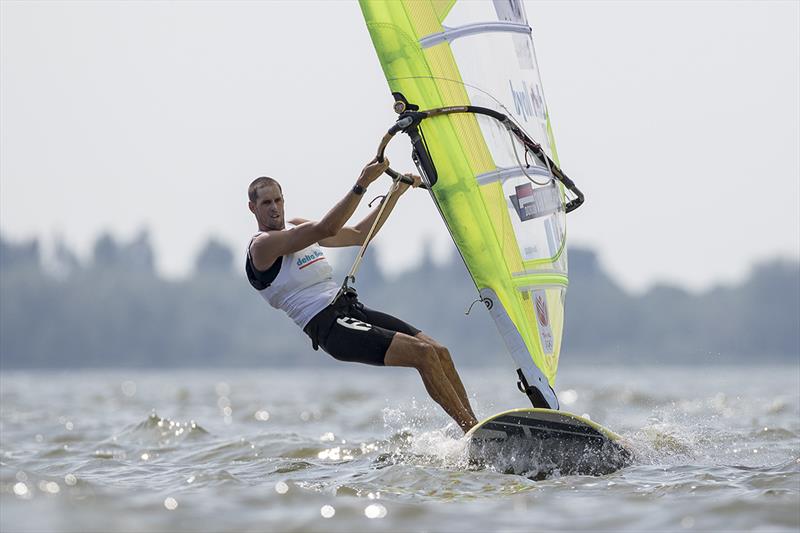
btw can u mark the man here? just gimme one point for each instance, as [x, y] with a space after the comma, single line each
[288, 268]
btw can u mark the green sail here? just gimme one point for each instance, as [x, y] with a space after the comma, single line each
[506, 215]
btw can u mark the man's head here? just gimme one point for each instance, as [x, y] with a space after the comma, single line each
[266, 203]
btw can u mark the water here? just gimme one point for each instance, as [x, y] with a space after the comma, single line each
[359, 448]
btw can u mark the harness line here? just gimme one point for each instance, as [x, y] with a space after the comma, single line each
[351, 276]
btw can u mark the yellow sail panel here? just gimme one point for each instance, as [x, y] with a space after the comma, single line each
[506, 214]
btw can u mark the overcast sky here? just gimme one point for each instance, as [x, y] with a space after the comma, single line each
[679, 120]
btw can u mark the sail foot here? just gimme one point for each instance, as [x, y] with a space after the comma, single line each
[533, 382]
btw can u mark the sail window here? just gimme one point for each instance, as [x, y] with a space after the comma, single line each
[535, 216]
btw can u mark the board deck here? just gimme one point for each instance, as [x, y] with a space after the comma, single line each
[544, 442]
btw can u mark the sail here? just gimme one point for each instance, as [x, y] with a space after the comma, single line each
[502, 207]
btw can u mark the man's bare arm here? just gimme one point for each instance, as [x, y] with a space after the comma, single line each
[363, 227]
[267, 247]
[355, 235]
[347, 236]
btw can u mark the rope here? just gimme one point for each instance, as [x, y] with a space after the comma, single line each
[382, 197]
[351, 276]
[519, 163]
[485, 301]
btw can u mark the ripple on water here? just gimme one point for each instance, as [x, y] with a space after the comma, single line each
[293, 466]
[238, 451]
[155, 430]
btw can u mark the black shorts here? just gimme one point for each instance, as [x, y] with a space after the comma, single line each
[349, 331]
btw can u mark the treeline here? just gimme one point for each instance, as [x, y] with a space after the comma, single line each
[114, 310]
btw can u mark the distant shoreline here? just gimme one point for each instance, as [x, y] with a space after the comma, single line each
[115, 311]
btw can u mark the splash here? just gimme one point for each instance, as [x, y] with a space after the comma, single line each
[418, 438]
[719, 430]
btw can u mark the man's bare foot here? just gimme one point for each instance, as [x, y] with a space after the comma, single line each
[469, 424]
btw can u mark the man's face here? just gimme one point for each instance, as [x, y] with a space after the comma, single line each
[268, 207]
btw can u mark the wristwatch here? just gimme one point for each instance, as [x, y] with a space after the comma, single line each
[358, 189]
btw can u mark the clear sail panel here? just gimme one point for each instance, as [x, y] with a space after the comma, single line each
[536, 211]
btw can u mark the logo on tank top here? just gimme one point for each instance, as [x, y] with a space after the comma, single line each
[310, 259]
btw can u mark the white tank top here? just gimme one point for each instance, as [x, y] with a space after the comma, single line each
[304, 286]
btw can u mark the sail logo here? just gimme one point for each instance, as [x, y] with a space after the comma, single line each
[528, 101]
[541, 311]
[310, 259]
[546, 336]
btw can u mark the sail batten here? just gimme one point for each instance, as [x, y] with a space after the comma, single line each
[509, 172]
[451, 34]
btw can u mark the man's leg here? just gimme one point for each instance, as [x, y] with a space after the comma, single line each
[415, 353]
[450, 370]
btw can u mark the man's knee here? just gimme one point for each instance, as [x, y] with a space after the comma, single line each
[442, 353]
[426, 356]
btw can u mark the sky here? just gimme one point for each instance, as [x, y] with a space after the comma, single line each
[680, 121]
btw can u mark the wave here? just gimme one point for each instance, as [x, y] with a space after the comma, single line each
[157, 431]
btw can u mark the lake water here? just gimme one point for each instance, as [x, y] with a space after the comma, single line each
[359, 448]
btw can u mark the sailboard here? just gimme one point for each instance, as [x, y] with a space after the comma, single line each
[543, 442]
[466, 86]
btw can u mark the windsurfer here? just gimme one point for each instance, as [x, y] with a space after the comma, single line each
[287, 266]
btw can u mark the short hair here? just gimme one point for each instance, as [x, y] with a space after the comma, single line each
[263, 181]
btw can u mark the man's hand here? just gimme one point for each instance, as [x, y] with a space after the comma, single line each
[417, 182]
[372, 171]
